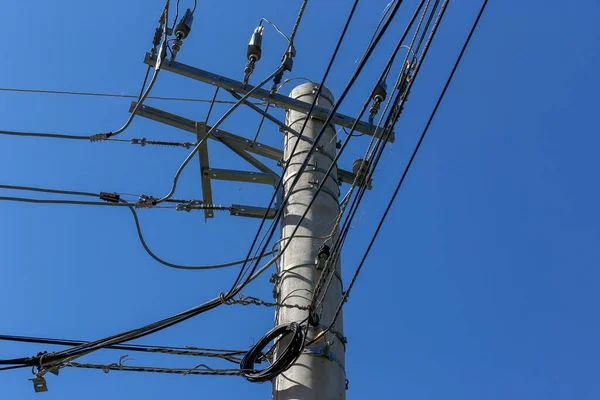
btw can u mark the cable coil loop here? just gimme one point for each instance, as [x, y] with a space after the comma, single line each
[284, 360]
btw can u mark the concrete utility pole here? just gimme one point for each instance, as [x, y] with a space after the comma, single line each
[319, 373]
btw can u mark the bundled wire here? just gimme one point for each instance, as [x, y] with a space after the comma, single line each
[326, 123]
[284, 359]
[375, 149]
[113, 202]
[407, 168]
[229, 355]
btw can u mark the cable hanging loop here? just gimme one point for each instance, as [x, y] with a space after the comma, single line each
[284, 360]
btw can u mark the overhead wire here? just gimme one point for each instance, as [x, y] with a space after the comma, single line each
[57, 358]
[229, 355]
[279, 70]
[373, 153]
[287, 163]
[358, 69]
[121, 203]
[275, 27]
[411, 159]
[117, 95]
[141, 331]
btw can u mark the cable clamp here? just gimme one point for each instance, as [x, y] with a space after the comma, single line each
[141, 141]
[99, 137]
[110, 197]
[145, 201]
[192, 205]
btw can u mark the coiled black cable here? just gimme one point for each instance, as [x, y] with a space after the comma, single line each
[284, 360]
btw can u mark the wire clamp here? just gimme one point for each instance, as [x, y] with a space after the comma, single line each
[192, 205]
[145, 201]
[98, 137]
[110, 197]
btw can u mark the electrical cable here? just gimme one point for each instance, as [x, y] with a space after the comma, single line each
[365, 57]
[142, 98]
[275, 27]
[228, 355]
[176, 16]
[122, 203]
[285, 358]
[286, 166]
[116, 95]
[370, 161]
[200, 369]
[212, 103]
[140, 331]
[413, 155]
[86, 348]
[80, 350]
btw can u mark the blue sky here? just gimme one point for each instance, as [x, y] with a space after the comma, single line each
[483, 283]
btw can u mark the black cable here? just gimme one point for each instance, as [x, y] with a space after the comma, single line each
[176, 15]
[373, 159]
[46, 135]
[146, 75]
[115, 95]
[357, 71]
[201, 352]
[139, 332]
[285, 358]
[122, 203]
[407, 168]
[13, 367]
[274, 197]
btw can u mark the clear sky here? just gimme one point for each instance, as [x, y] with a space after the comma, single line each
[483, 283]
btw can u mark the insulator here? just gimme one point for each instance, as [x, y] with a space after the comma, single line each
[183, 28]
[255, 46]
[380, 92]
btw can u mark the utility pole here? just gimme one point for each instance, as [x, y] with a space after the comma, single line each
[319, 372]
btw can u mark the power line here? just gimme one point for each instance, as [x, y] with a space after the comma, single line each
[120, 203]
[353, 78]
[410, 161]
[287, 164]
[402, 86]
[201, 369]
[180, 351]
[116, 95]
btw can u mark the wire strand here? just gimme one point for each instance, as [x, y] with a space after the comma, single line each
[409, 164]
